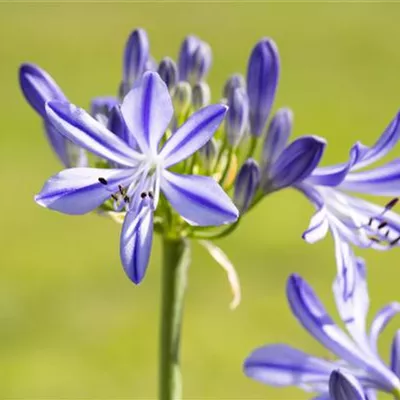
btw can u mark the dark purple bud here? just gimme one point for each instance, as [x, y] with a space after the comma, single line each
[168, 72]
[117, 125]
[279, 130]
[343, 386]
[201, 95]
[38, 87]
[195, 59]
[235, 81]
[246, 185]
[102, 106]
[136, 56]
[236, 119]
[208, 154]
[262, 81]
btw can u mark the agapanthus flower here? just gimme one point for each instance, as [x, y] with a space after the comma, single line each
[350, 218]
[344, 386]
[356, 350]
[143, 168]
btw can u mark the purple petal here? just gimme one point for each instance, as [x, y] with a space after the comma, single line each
[278, 134]
[333, 175]
[135, 56]
[38, 87]
[262, 81]
[83, 130]
[198, 199]
[368, 155]
[381, 319]
[344, 386]
[297, 161]
[282, 365]
[136, 241]
[147, 110]
[395, 354]
[78, 190]
[381, 181]
[193, 134]
[311, 314]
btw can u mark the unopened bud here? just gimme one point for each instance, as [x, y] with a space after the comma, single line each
[201, 95]
[168, 72]
[235, 81]
[237, 116]
[246, 184]
[182, 97]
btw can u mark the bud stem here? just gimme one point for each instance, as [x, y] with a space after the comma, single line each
[176, 259]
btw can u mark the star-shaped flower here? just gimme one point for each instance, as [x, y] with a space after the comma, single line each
[142, 170]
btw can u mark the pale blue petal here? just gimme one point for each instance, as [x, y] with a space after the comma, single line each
[136, 241]
[193, 134]
[344, 386]
[297, 161]
[319, 224]
[38, 87]
[82, 129]
[78, 190]
[395, 354]
[198, 199]
[282, 365]
[381, 319]
[368, 155]
[381, 181]
[147, 110]
[117, 125]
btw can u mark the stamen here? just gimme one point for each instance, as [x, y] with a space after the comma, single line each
[121, 190]
[127, 199]
[370, 221]
[150, 194]
[387, 233]
[395, 241]
[382, 224]
[103, 181]
[374, 239]
[143, 195]
[114, 197]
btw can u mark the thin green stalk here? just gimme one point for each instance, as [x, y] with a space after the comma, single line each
[176, 259]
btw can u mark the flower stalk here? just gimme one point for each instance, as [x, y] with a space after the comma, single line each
[176, 259]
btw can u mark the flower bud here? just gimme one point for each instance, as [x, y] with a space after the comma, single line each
[38, 87]
[102, 105]
[246, 184]
[343, 386]
[262, 81]
[201, 95]
[208, 154]
[195, 58]
[277, 136]
[136, 56]
[182, 97]
[233, 82]
[237, 116]
[168, 72]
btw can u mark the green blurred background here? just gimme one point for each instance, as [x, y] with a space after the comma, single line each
[71, 324]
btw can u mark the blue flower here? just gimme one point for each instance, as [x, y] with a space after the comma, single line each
[349, 218]
[143, 170]
[283, 365]
[39, 87]
[343, 386]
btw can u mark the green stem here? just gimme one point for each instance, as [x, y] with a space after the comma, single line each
[176, 259]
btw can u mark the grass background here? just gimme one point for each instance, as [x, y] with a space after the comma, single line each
[71, 324]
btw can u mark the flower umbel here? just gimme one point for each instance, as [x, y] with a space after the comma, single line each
[283, 365]
[143, 170]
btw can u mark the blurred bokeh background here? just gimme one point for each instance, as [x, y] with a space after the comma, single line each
[71, 324]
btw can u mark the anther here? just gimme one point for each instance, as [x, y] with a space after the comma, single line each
[382, 224]
[374, 239]
[121, 189]
[103, 181]
[114, 197]
[395, 241]
[126, 199]
[391, 204]
[387, 233]
[370, 221]
[143, 195]
[151, 195]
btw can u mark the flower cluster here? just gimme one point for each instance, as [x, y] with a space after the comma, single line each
[162, 159]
